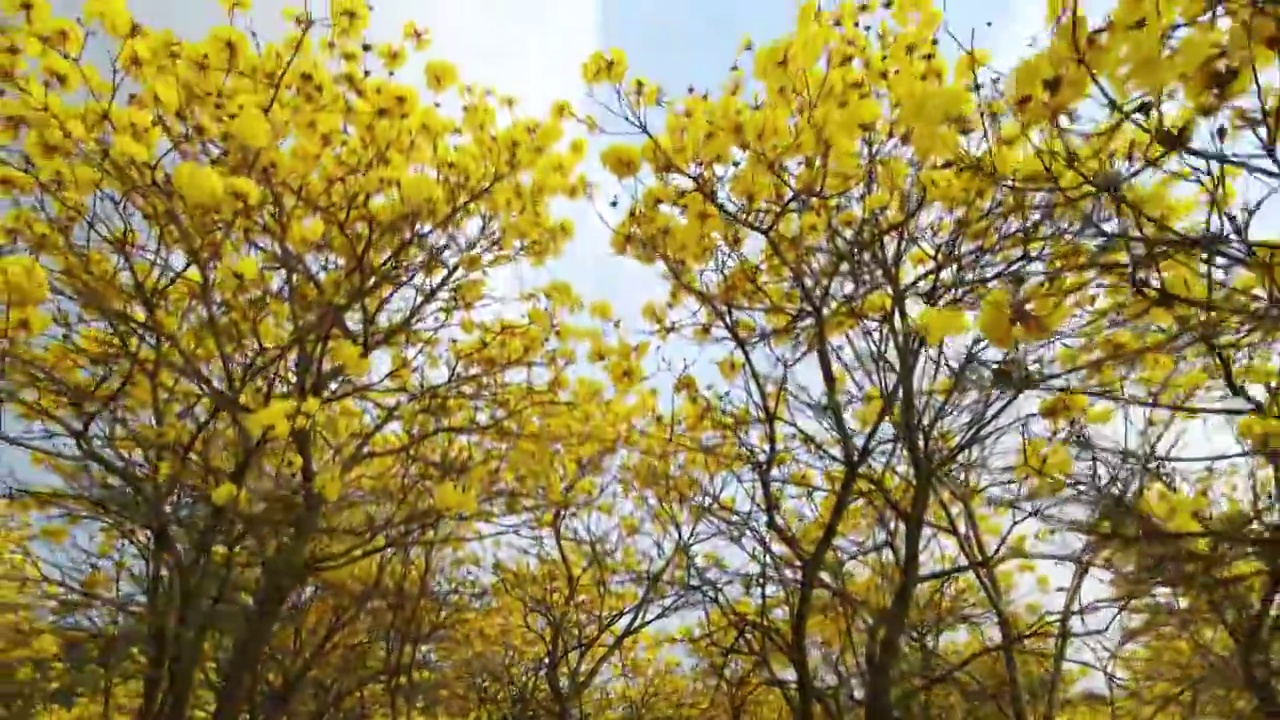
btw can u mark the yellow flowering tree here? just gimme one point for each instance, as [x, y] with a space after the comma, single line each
[596, 560]
[1155, 126]
[877, 312]
[251, 344]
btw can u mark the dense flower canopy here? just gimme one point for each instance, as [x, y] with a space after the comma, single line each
[960, 398]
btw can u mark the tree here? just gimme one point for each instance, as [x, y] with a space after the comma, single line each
[816, 229]
[1157, 125]
[248, 332]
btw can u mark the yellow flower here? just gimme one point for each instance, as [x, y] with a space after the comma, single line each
[348, 356]
[329, 485]
[95, 581]
[45, 645]
[1260, 431]
[113, 14]
[274, 420]
[244, 189]
[623, 161]
[1099, 414]
[310, 406]
[995, 319]
[440, 75]
[245, 269]
[1040, 458]
[55, 533]
[1064, 406]
[871, 410]
[392, 56]
[224, 494]
[1058, 460]
[605, 67]
[450, 498]
[23, 282]
[251, 129]
[600, 310]
[877, 303]
[938, 324]
[198, 184]
[729, 366]
[417, 37]
[420, 192]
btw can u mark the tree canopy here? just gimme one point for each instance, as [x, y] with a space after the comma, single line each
[959, 397]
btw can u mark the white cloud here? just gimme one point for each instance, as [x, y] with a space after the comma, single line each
[1023, 28]
[1024, 22]
[532, 51]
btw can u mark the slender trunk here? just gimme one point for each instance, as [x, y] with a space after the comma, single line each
[1062, 641]
[886, 644]
[159, 604]
[1254, 656]
[280, 580]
